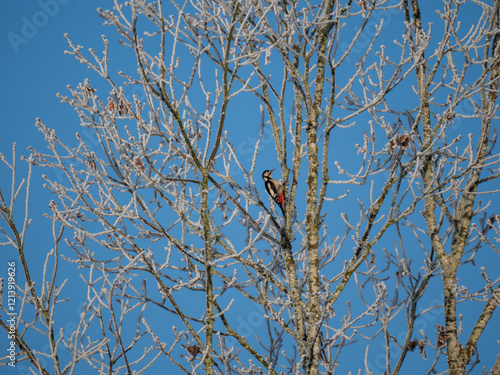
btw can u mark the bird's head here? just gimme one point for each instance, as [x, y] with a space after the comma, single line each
[267, 173]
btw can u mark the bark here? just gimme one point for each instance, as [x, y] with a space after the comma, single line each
[457, 356]
[312, 212]
[209, 314]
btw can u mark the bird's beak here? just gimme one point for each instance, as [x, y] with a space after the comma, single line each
[271, 171]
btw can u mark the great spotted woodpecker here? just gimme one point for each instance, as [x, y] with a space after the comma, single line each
[274, 189]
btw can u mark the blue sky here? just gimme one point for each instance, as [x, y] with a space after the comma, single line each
[33, 69]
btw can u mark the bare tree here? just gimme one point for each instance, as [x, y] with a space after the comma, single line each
[166, 217]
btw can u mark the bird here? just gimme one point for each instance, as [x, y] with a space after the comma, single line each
[274, 189]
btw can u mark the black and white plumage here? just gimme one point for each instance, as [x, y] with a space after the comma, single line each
[274, 189]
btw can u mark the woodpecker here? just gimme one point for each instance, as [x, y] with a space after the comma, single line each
[274, 189]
